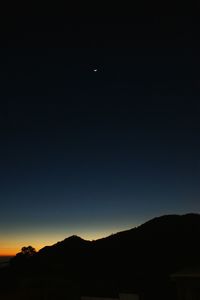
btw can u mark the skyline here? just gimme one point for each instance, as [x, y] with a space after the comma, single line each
[92, 153]
[51, 239]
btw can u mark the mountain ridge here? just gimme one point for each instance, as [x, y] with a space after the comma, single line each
[152, 221]
[138, 259]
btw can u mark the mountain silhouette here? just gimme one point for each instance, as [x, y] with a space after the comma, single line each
[141, 258]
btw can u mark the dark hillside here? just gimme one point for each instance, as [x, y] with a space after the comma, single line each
[138, 259]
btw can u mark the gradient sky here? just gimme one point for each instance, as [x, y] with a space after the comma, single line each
[92, 153]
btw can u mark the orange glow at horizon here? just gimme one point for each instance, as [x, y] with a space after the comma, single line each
[10, 247]
[11, 244]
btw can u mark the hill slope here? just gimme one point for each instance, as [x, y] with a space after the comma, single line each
[139, 258]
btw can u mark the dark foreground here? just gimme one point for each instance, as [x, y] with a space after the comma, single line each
[157, 260]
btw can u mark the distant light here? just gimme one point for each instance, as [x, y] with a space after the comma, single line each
[95, 70]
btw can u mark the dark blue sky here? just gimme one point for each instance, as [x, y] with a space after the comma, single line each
[92, 153]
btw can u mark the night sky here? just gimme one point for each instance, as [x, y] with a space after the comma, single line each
[92, 153]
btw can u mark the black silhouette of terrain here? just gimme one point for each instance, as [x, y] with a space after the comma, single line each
[137, 260]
